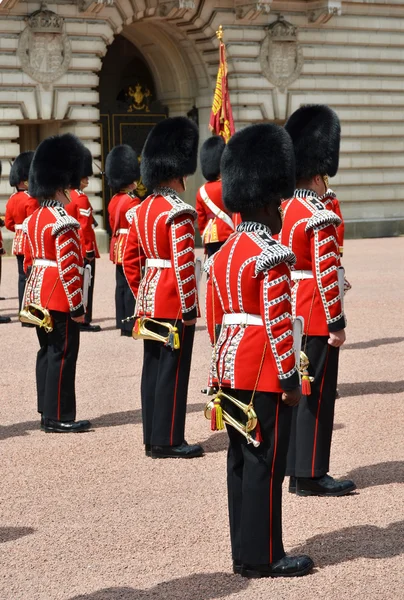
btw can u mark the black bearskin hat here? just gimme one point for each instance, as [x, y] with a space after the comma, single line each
[315, 131]
[258, 167]
[57, 164]
[20, 168]
[211, 153]
[88, 164]
[170, 151]
[121, 167]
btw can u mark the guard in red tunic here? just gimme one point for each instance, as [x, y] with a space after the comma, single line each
[56, 279]
[19, 206]
[80, 208]
[309, 229]
[214, 222]
[122, 171]
[331, 202]
[162, 239]
[2, 251]
[248, 301]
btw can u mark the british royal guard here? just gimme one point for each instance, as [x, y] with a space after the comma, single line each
[80, 208]
[55, 282]
[309, 229]
[2, 252]
[19, 206]
[214, 221]
[162, 240]
[122, 172]
[248, 300]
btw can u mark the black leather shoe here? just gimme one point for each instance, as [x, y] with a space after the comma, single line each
[147, 449]
[2, 298]
[89, 327]
[42, 422]
[5, 320]
[288, 566]
[184, 450]
[51, 426]
[324, 486]
[237, 566]
[292, 485]
[125, 333]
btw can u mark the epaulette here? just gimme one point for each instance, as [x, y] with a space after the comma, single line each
[179, 207]
[25, 224]
[323, 217]
[63, 221]
[329, 194]
[130, 214]
[274, 254]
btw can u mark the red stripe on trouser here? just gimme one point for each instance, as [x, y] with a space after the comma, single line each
[176, 387]
[272, 478]
[318, 414]
[61, 366]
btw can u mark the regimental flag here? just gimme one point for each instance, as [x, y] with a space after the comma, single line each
[221, 117]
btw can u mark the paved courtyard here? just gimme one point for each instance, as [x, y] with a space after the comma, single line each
[89, 517]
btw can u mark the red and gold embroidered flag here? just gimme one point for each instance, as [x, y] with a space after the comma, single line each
[221, 116]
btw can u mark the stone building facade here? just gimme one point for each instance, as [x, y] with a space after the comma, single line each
[108, 69]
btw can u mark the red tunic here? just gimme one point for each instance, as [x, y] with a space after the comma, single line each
[19, 206]
[117, 209]
[251, 274]
[330, 201]
[214, 221]
[309, 230]
[80, 209]
[53, 236]
[162, 227]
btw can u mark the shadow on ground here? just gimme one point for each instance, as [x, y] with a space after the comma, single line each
[379, 474]
[117, 419]
[350, 543]
[373, 343]
[9, 534]
[201, 586]
[364, 388]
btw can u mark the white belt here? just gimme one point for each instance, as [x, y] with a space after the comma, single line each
[17, 227]
[161, 263]
[122, 231]
[242, 319]
[296, 275]
[44, 262]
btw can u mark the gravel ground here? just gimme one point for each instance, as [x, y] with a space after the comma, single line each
[89, 517]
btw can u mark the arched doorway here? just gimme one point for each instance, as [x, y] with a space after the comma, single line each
[128, 104]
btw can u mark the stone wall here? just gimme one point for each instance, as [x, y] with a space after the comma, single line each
[352, 60]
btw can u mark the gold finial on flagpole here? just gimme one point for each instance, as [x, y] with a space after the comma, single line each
[219, 33]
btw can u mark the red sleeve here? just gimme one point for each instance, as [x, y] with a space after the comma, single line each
[325, 263]
[31, 206]
[85, 218]
[340, 228]
[9, 217]
[70, 266]
[214, 309]
[276, 312]
[182, 238]
[133, 258]
[27, 253]
[202, 217]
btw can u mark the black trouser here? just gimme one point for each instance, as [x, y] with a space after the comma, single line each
[313, 418]
[124, 300]
[213, 247]
[254, 480]
[21, 279]
[56, 368]
[164, 387]
[88, 317]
